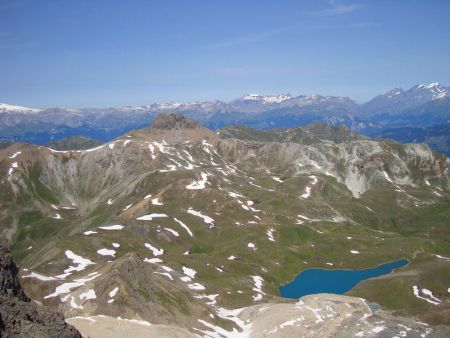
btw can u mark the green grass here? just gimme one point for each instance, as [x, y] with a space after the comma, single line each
[40, 188]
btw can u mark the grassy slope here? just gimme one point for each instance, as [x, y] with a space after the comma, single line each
[389, 232]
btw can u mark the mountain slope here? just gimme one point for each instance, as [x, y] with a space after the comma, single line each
[74, 143]
[174, 223]
[19, 316]
[309, 134]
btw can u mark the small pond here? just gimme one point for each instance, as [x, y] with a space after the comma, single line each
[334, 281]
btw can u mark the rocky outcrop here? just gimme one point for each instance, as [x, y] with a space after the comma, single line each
[21, 317]
[174, 128]
[173, 121]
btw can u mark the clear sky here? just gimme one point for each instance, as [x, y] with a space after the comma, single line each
[110, 53]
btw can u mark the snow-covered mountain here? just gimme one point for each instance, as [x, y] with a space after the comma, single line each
[395, 100]
[8, 108]
[423, 104]
[267, 99]
[398, 100]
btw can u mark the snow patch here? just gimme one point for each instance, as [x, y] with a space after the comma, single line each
[88, 295]
[156, 251]
[309, 187]
[251, 246]
[184, 226]
[79, 262]
[206, 219]
[153, 260]
[211, 298]
[189, 272]
[196, 286]
[198, 185]
[258, 282]
[40, 277]
[151, 216]
[113, 292]
[270, 235]
[156, 201]
[168, 275]
[13, 166]
[106, 252]
[67, 287]
[173, 232]
[15, 155]
[430, 298]
[112, 227]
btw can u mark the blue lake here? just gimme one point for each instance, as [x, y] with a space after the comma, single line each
[333, 281]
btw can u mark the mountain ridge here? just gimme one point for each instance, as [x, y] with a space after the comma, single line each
[435, 89]
[425, 104]
[193, 226]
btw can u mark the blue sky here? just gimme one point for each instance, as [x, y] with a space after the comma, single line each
[111, 53]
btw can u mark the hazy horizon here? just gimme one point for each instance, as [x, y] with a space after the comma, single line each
[213, 99]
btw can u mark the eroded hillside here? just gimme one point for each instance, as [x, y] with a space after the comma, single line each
[172, 223]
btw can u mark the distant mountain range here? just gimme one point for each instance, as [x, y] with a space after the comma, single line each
[424, 105]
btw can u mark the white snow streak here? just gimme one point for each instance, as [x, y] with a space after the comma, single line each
[185, 227]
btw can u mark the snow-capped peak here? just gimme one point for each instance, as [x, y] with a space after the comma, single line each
[4, 107]
[267, 98]
[436, 89]
[429, 86]
[433, 85]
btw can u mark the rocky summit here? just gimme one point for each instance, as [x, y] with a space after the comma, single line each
[173, 121]
[176, 230]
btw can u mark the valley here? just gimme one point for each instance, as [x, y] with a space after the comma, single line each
[186, 228]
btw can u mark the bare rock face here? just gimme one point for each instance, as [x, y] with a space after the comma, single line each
[173, 121]
[321, 315]
[173, 129]
[329, 315]
[19, 316]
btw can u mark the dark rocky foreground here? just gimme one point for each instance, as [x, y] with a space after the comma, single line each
[21, 317]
